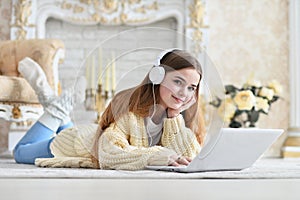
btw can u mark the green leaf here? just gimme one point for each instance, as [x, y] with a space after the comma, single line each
[275, 98]
[216, 102]
[238, 112]
[230, 89]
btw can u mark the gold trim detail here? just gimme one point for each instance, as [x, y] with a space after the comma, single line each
[22, 13]
[296, 129]
[197, 13]
[109, 12]
[16, 112]
[292, 141]
[290, 154]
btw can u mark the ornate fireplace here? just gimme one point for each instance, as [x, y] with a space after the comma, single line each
[134, 31]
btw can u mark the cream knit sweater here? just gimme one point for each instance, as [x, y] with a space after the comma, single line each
[123, 145]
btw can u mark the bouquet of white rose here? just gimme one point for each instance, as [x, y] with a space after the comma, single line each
[242, 106]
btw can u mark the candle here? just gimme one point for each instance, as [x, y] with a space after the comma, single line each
[113, 73]
[93, 72]
[107, 78]
[100, 67]
[87, 73]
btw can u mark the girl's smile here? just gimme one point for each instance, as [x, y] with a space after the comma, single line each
[179, 100]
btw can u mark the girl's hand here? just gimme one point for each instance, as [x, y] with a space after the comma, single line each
[179, 160]
[174, 113]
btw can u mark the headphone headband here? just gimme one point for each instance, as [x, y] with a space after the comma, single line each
[157, 73]
[162, 54]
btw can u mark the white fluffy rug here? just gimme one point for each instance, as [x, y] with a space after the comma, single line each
[262, 169]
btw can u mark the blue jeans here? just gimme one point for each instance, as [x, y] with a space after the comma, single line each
[36, 143]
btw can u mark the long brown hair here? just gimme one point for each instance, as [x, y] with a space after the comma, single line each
[139, 99]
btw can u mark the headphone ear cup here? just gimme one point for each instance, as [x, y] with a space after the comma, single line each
[157, 75]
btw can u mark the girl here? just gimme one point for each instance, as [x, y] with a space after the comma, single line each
[157, 122]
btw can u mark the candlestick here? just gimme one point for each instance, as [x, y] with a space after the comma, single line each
[99, 102]
[90, 101]
[106, 95]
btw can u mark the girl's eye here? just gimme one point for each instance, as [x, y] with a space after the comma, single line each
[191, 89]
[178, 82]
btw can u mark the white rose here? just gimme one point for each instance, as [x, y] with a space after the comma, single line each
[266, 92]
[254, 83]
[227, 108]
[244, 100]
[262, 104]
[276, 86]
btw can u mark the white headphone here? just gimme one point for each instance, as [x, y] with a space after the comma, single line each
[157, 73]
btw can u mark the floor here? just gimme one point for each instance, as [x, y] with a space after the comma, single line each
[145, 189]
[267, 179]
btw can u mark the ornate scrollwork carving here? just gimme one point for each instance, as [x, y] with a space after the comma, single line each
[16, 112]
[197, 13]
[22, 14]
[110, 5]
[110, 11]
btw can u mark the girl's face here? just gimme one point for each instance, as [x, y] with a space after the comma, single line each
[178, 87]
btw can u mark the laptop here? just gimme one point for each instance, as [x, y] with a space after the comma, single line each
[229, 149]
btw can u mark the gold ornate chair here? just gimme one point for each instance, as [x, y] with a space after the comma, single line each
[18, 102]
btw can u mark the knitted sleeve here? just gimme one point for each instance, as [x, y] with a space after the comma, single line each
[178, 137]
[116, 152]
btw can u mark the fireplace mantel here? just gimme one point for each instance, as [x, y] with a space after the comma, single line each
[29, 16]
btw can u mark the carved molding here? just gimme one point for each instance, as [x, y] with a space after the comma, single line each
[30, 16]
[22, 12]
[110, 12]
[197, 23]
[17, 112]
